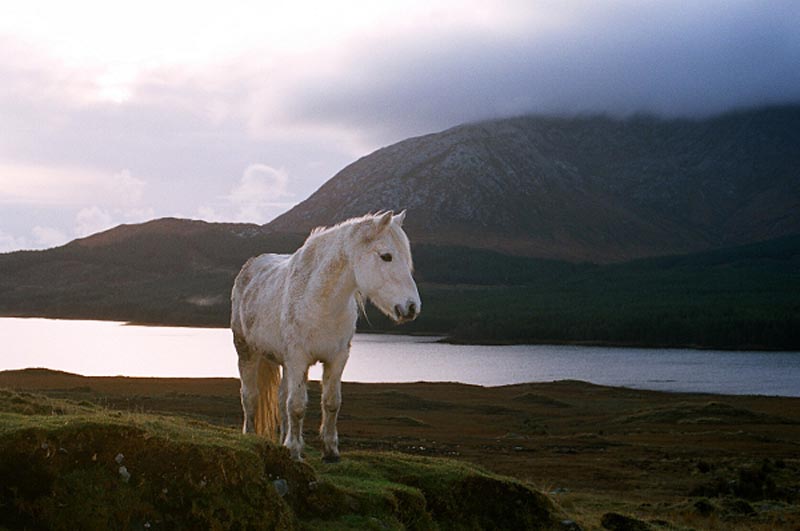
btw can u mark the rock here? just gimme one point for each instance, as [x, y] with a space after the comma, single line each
[281, 486]
[739, 506]
[570, 525]
[704, 507]
[619, 522]
[378, 524]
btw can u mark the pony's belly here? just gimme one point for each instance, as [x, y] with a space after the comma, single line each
[324, 338]
[328, 355]
[314, 347]
[266, 342]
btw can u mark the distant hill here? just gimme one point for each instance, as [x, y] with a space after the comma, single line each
[741, 297]
[581, 189]
[745, 297]
[164, 271]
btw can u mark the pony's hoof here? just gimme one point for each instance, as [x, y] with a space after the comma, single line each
[333, 458]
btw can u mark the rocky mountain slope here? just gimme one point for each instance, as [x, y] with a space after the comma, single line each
[594, 189]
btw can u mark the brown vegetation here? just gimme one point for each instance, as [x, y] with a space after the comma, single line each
[682, 460]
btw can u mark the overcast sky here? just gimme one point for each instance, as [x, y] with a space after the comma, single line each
[117, 112]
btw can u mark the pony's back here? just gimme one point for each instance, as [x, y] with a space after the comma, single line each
[259, 275]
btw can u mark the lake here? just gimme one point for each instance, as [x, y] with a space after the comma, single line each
[100, 348]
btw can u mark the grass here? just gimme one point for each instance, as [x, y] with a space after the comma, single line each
[63, 469]
[68, 465]
[693, 461]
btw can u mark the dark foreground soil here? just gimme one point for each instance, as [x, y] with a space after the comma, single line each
[673, 460]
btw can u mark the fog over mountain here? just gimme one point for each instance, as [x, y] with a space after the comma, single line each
[594, 188]
[234, 112]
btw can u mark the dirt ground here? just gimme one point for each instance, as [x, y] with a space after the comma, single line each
[676, 460]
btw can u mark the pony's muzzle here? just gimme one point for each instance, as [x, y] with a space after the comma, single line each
[407, 313]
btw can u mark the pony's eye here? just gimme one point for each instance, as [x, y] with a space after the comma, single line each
[386, 257]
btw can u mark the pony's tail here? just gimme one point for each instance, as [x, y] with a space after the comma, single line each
[267, 415]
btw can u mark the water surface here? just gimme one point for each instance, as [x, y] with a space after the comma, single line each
[100, 348]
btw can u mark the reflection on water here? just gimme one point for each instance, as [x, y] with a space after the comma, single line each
[96, 348]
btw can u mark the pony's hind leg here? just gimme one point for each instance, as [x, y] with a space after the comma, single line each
[283, 417]
[331, 402]
[296, 399]
[248, 375]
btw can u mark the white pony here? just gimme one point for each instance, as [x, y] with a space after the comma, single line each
[292, 311]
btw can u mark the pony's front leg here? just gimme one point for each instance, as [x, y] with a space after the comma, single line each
[331, 402]
[296, 399]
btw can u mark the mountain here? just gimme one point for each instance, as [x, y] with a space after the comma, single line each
[581, 189]
[533, 229]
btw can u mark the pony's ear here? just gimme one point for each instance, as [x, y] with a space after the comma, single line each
[399, 218]
[374, 227]
[382, 223]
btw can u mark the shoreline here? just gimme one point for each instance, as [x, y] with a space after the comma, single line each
[34, 373]
[445, 338]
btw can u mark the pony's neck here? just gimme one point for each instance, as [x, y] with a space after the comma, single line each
[333, 282]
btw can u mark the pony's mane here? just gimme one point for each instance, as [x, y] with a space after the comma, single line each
[346, 223]
[397, 233]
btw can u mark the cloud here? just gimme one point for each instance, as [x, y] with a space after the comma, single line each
[91, 220]
[43, 237]
[385, 72]
[665, 58]
[125, 188]
[49, 237]
[261, 189]
[260, 184]
[41, 184]
[382, 77]
[9, 242]
[137, 215]
[65, 185]
[98, 124]
[94, 219]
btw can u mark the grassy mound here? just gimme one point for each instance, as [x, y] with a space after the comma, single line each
[69, 465]
[709, 413]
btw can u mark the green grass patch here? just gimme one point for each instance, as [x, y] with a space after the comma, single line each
[69, 465]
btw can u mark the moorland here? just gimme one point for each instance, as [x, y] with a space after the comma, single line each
[566, 453]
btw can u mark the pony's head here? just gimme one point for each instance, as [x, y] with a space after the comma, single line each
[382, 265]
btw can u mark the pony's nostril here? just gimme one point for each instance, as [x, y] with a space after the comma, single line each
[403, 312]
